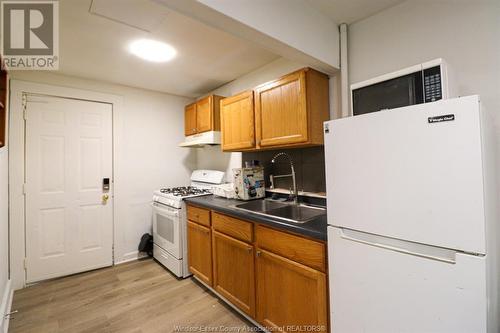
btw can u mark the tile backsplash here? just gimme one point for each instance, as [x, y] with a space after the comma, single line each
[309, 166]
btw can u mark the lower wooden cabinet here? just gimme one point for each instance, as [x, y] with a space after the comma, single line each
[290, 295]
[234, 273]
[274, 277]
[200, 252]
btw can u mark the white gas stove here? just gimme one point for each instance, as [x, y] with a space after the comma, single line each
[173, 196]
[170, 222]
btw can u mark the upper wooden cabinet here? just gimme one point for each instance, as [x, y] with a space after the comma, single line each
[237, 122]
[202, 116]
[281, 111]
[291, 110]
[287, 112]
[205, 114]
[190, 119]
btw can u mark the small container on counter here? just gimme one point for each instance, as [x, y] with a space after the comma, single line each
[249, 183]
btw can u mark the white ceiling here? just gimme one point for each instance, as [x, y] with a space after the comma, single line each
[350, 11]
[95, 47]
[94, 36]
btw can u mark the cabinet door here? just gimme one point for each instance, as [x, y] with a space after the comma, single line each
[289, 294]
[204, 115]
[190, 119]
[237, 122]
[200, 252]
[234, 272]
[281, 112]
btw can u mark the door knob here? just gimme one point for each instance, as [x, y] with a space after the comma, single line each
[105, 199]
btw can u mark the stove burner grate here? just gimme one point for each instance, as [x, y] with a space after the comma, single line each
[184, 191]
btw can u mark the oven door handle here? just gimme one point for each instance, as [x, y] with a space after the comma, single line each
[165, 210]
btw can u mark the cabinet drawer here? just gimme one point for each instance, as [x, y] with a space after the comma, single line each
[231, 226]
[198, 215]
[296, 248]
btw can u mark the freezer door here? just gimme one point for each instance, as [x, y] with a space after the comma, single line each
[404, 173]
[385, 288]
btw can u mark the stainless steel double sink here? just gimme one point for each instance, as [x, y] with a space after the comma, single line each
[290, 212]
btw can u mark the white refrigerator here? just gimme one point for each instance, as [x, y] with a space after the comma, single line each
[413, 233]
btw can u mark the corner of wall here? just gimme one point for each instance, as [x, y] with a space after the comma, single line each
[6, 306]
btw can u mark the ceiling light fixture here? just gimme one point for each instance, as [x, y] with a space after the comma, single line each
[152, 50]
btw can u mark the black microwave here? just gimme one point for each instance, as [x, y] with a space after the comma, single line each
[418, 84]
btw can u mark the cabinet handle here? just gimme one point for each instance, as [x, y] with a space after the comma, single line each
[249, 250]
[258, 253]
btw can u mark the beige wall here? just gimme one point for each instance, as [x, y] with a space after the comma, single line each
[146, 156]
[308, 30]
[465, 33]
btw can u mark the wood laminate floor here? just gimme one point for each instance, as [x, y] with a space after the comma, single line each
[137, 297]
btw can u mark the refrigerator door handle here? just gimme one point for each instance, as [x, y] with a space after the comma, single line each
[405, 247]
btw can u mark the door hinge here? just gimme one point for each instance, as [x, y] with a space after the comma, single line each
[25, 263]
[24, 189]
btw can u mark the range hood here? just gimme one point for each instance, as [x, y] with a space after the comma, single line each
[202, 139]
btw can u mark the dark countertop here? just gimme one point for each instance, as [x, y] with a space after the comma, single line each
[314, 229]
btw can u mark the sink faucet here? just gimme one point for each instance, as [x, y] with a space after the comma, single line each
[292, 174]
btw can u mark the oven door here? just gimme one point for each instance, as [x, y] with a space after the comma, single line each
[166, 229]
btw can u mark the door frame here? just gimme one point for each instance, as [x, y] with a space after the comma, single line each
[17, 144]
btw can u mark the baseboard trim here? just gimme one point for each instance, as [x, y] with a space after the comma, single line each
[131, 256]
[6, 306]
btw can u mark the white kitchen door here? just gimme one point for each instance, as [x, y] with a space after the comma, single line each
[69, 222]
